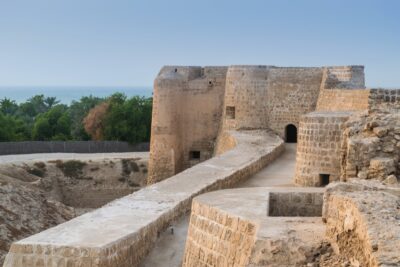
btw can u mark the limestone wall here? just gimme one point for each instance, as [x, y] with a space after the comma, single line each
[362, 223]
[344, 77]
[267, 96]
[122, 232]
[385, 99]
[217, 238]
[343, 100]
[232, 228]
[319, 147]
[371, 146]
[187, 110]
[193, 106]
[292, 92]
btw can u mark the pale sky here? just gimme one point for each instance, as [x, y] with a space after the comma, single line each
[126, 42]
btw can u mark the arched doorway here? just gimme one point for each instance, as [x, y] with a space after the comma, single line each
[291, 133]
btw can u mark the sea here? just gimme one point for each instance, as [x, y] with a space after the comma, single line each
[66, 94]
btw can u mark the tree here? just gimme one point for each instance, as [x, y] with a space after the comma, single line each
[53, 125]
[12, 129]
[34, 106]
[8, 106]
[94, 121]
[78, 111]
[50, 102]
[128, 119]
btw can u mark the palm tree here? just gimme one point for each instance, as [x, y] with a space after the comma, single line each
[50, 102]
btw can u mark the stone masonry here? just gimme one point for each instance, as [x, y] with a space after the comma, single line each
[232, 228]
[319, 148]
[194, 106]
[122, 232]
[214, 127]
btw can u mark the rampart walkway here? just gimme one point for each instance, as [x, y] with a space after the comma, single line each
[171, 245]
[124, 231]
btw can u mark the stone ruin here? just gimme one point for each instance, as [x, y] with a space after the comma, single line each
[214, 127]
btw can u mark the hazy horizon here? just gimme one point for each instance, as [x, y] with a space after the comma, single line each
[66, 94]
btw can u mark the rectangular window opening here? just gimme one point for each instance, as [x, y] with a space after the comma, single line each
[323, 179]
[230, 112]
[194, 155]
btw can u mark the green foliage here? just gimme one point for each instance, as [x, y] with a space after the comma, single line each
[12, 129]
[8, 106]
[78, 111]
[128, 119]
[44, 118]
[54, 124]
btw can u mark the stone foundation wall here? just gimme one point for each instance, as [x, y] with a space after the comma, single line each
[343, 100]
[233, 228]
[319, 147]
[356, 216]
[217, 238]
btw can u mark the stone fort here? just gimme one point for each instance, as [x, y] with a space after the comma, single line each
[194, 109]
[215, 128]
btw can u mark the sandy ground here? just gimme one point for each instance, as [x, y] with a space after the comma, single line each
[72, 156]
[171, 244]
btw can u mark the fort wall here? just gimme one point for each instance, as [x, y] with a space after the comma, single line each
[344, 77]
[269, 97]
[343, 100]
[292, 92]
[387, 99]
[187, 111]
[193, 106]
[318, 158]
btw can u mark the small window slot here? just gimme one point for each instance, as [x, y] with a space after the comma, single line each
[230, 112]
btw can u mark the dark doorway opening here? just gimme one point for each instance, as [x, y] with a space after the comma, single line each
[194, 155]
[323, 179]
[291, 134]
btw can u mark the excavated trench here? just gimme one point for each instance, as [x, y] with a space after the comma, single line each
[38, 194]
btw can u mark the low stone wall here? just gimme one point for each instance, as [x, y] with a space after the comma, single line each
[232, 228]
[363, 223]
[319, 147]
[217, 238]
[343, 100]
[33, 147]
[122, 232]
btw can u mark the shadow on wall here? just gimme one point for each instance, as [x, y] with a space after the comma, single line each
[290, 133]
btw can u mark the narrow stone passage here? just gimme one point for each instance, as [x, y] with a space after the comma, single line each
[171, 245]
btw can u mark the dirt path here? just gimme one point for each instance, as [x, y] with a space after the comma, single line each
[66, 156]
[171, 245]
